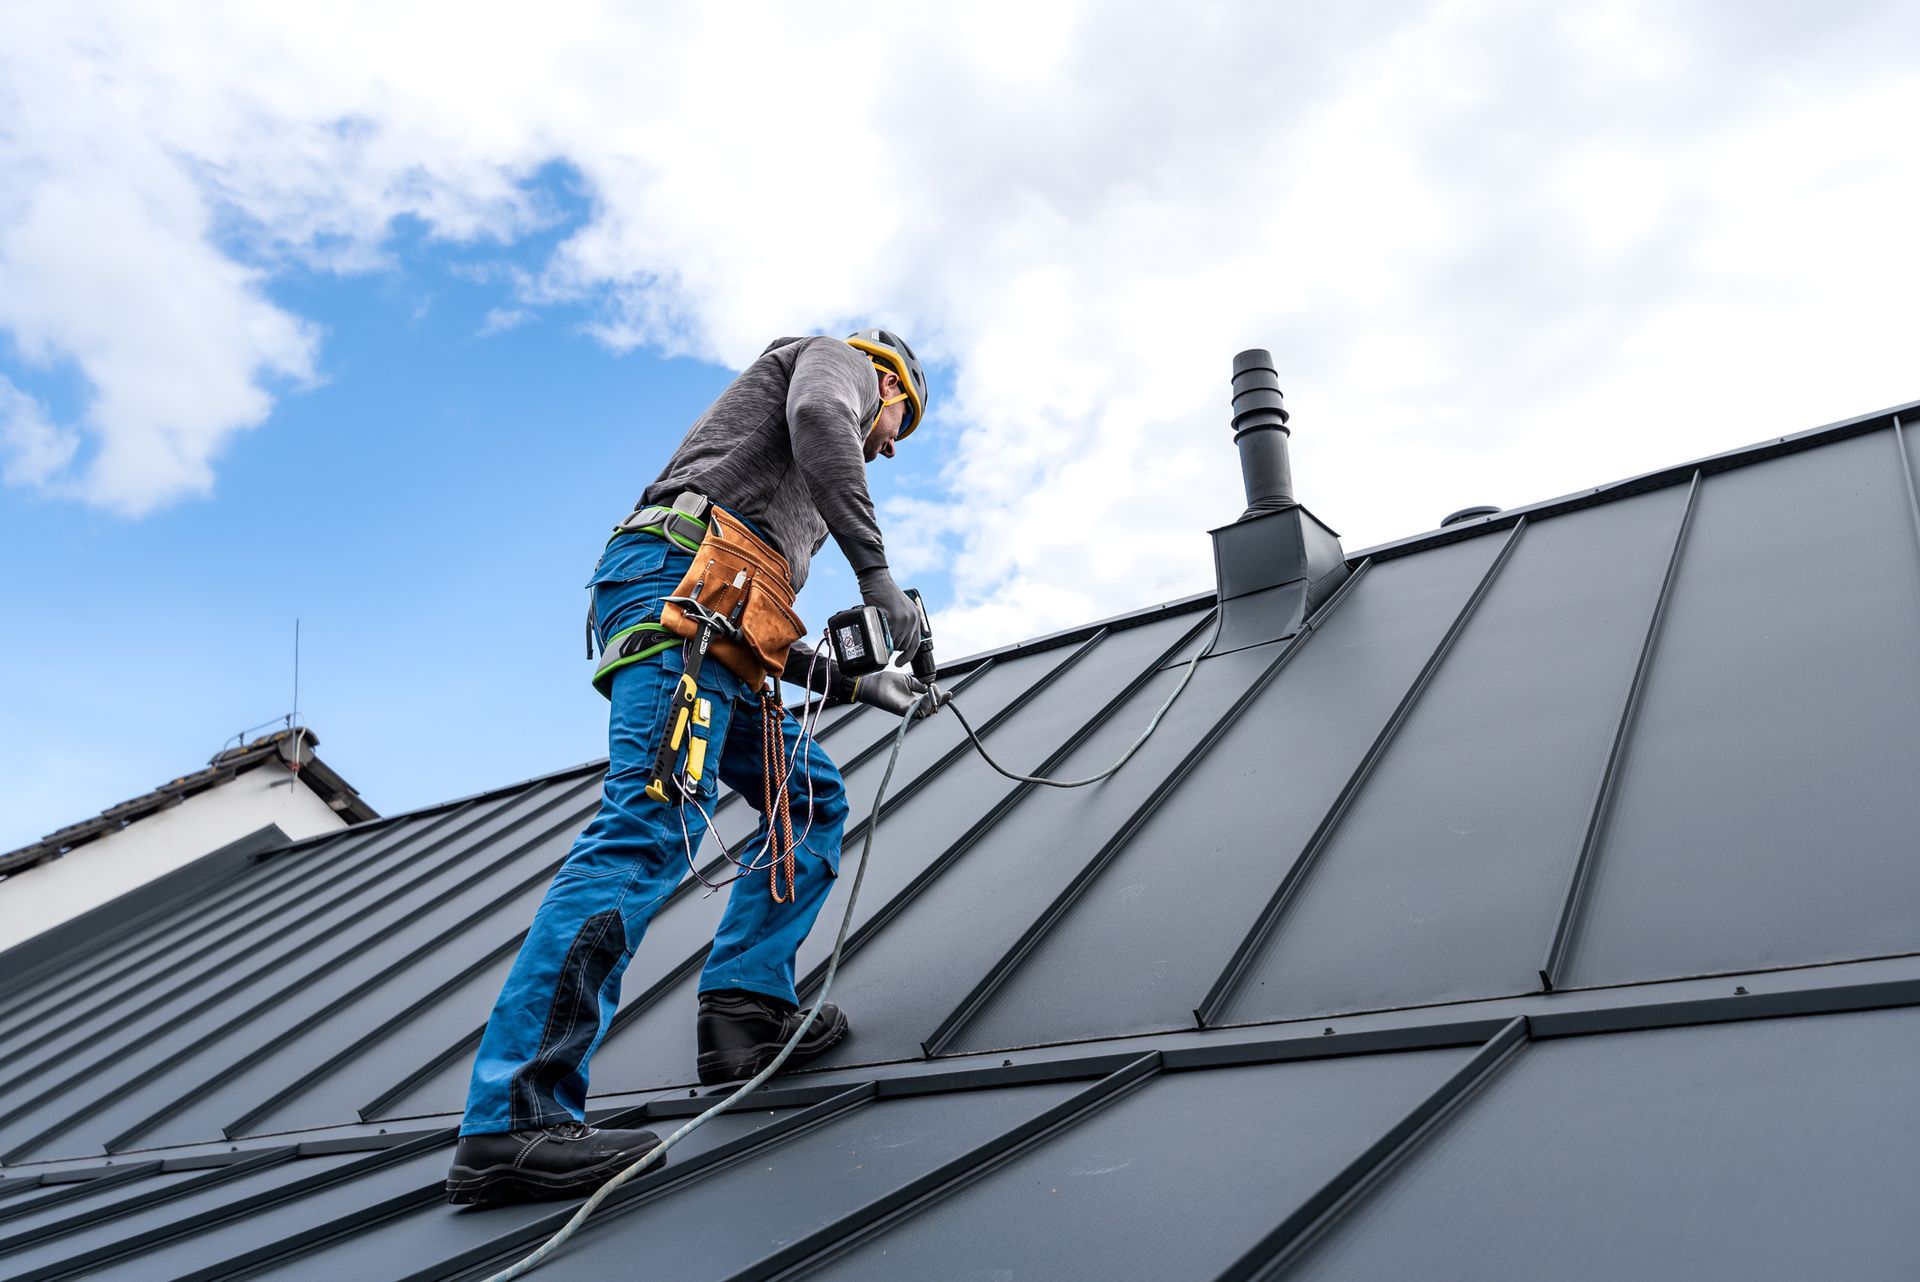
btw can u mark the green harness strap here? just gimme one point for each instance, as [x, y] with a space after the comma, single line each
[663, 521]
[629, 645]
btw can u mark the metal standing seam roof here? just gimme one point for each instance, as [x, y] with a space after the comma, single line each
[1547, 906]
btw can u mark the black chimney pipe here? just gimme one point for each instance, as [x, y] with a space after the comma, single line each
[1279, 562]
[1260, 430]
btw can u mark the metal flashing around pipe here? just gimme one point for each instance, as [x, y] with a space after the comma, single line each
[1278, 562]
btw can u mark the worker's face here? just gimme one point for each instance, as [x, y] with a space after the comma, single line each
[886, 429]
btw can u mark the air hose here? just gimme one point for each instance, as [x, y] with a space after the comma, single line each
[567, 1230]
[1125, 757]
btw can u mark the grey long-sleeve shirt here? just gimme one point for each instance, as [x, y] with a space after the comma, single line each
[783, 447]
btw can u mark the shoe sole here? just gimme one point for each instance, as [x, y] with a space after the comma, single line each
[467, 1186]
[731, 1066]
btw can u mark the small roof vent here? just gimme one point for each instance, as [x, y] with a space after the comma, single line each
[1468, 514]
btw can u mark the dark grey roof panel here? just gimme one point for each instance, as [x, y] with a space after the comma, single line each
[109, 1015]
[1908, 432]
[725, 1217]
[1002, 874]
[124, 997]
[25, 1189]
[82, 1204]
[1454, 859]
[89, 1204]
[1173, 1180]
[208, 937]
[432, 1231]
[1139, 950]
[348, 993]
[869, 1153]
[161, 1211]
[356, 1079]
[437, 1083]
[279, 970]
[1083, 827]
[1766, 1149]
[349, 1185]
[1766, 811]
[324, 1051]
[123, 968]
[133, 913]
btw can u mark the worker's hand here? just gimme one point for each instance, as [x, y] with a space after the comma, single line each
[893, 691]
[877, 588]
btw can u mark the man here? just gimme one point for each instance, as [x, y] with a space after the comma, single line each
[783, 449]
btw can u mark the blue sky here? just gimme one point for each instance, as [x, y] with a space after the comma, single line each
[428, 511]
[258, 264]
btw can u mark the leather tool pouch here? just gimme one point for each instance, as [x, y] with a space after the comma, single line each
[767, 623]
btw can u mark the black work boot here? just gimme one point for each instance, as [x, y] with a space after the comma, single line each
[741, 1032]
[568, 1160]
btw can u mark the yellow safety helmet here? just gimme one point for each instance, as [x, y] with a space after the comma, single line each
[889, 351]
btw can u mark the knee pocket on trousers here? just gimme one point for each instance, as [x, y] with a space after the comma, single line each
[816, 849]
[830, 800]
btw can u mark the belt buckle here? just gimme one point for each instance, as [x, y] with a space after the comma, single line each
[689, 528]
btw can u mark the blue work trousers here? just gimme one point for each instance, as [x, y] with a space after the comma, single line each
[563, 990]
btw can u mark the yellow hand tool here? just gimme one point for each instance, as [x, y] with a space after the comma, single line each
[687, 710]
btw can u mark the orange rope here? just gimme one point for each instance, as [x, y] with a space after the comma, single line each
[773, 758]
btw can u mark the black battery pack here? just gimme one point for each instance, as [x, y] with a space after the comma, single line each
[860, 640]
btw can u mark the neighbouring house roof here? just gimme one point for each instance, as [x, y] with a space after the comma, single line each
[283, 746]
[1546, 907]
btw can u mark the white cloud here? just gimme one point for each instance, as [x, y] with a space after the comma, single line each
[499, 320]
[1501, 251]
[35, 449]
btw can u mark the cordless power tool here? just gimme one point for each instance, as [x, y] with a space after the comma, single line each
[863, 643]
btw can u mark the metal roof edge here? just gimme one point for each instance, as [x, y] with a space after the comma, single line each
[1659, 478]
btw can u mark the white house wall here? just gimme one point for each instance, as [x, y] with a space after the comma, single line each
[43, 896]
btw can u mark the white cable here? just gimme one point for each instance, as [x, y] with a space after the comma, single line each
[793, 764]
[567, 1230]
[810, 715]
[1135, 746]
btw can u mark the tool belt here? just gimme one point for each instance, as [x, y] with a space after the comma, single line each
[723, 549]
[762, 608]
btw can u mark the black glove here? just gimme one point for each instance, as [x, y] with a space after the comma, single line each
[903, 620]
[893, 691]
